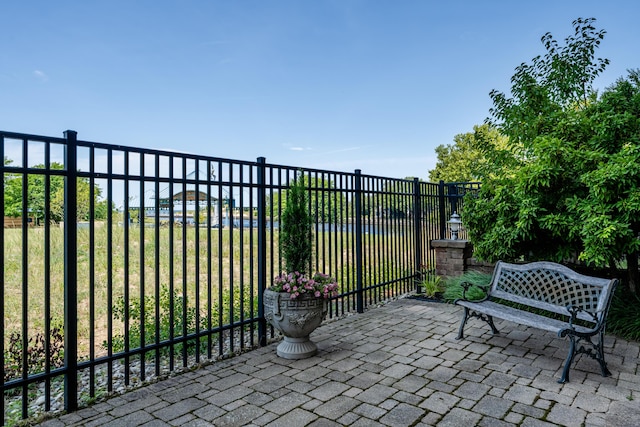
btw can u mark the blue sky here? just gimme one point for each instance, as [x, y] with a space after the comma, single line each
[374, 85]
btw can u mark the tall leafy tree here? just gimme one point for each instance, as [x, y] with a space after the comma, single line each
[464, 160]
[567, 185]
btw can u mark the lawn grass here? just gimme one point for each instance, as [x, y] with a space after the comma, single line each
[209, 266]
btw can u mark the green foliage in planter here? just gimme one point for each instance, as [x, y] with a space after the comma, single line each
[453, 288]
[296, 236]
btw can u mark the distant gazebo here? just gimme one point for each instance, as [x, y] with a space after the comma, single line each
[184, 199]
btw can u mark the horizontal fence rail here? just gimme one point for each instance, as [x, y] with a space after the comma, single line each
[122, 264]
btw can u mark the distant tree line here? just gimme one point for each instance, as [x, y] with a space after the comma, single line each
[37, 199]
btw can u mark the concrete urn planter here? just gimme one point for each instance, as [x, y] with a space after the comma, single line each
[296, 319]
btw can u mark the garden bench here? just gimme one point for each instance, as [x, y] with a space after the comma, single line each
[570, 304]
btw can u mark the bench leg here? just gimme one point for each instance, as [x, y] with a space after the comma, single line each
[465, 317]
[494, 331]
[600, 357]
[569, 360]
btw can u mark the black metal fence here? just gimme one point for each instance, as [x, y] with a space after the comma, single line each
[130, 263]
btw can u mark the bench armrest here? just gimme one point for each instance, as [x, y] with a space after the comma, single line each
[573, 311]
[467, 285]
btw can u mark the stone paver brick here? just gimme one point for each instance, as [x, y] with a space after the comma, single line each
[470, 376]
[189, 390]
[410, 383]
[345, 420]
[328, 391]
[153, 423]
[405, 349]
[522, 370]
[472, 391]
[98, 421]
[466, 403]
[133, 419]
[209, 412]
[522, 394]
[365, 380]
[402, 415]
[591, 402]
[178, 409]
[184, 420]
[439, 402]
[566, 415]
[454, 355]
[370, 411]
[527, 410]
[225, 383]
[345, 365]
[500, 380]
[296, 417]
[129, 407]
[459, 417]
[493, 406]
[225, 397]
[239, 417]
[514, 418]
[376, 394]
[438, 386]
[398, 371]
[312, 373]
[343, 377]
[556, 397]
[623, 413]
[614, 392]
[336, 408]
[389, 404]
[427, 362]
[532, 422]
[598, 420]
[492, 422]
[364, 422]
[286, 403]
[442, 374]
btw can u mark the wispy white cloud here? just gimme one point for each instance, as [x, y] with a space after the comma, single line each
[40, 75]
[296, 147]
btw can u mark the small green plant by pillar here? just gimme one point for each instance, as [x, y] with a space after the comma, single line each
[432, 286]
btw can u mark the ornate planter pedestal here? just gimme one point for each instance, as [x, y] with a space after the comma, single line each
[296, 319]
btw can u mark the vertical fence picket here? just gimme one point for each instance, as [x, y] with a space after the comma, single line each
[70, 273]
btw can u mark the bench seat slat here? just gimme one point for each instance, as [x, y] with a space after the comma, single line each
[515, 315]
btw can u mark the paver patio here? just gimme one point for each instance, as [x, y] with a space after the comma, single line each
[395, 365]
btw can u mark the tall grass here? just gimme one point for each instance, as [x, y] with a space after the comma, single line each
[213, 270]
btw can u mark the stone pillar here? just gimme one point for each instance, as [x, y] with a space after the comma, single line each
[451, 256]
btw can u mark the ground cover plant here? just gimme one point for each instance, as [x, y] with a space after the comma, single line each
[453, 289]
